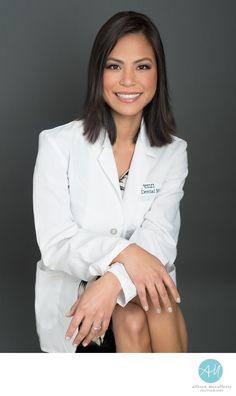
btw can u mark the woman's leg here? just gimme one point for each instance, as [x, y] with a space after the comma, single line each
[130, 328]
[168, 331]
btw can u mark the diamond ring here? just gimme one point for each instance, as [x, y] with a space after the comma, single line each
[97, 328]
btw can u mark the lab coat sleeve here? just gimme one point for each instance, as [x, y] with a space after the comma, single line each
[159, 231]
[129, 290]
[64, 246]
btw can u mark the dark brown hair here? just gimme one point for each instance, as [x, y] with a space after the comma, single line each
[158, 117]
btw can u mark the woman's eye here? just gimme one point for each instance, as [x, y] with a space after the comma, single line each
[112, 67]
[144, 67]
[115, 67]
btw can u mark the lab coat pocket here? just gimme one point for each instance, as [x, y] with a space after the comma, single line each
[47, 294]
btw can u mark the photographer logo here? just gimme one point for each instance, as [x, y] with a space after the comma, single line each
[210, 370]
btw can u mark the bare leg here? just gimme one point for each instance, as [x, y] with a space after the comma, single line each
[168, 331]
[130, 328]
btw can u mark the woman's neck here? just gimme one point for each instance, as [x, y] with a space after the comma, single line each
[126, 127]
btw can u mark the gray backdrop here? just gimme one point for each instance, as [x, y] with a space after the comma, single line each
[45, 47]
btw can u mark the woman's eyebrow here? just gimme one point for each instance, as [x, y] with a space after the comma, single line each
[137, 61]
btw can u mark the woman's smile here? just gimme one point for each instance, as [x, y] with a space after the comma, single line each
[128, 98]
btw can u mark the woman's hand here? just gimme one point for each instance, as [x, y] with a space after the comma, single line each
[94, 309]
[147, 272]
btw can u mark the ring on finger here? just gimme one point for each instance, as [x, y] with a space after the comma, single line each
[97, 328]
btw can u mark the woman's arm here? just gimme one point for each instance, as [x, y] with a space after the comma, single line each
[63, 245]
[153, 251]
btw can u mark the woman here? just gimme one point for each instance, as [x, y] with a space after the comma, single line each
[106, 194]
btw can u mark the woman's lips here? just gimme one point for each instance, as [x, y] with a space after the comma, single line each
[128, 98]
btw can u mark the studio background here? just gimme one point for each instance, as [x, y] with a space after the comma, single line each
[45, 47]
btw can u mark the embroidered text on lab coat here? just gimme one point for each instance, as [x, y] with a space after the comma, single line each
[149, 188]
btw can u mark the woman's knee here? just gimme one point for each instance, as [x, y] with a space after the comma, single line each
[131, 319]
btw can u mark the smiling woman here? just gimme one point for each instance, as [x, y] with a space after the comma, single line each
[128, 57]
[106, 194]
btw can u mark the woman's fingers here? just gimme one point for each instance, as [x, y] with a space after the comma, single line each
[153, 294]
[158, 290]
[97, 330]
[143, 298]
[164, 296]
[172, 287]
[84, 330]
[72, 309]
[161, 291]
[74, 324]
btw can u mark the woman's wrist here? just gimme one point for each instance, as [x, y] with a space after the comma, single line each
[114, 281]
[124, 254]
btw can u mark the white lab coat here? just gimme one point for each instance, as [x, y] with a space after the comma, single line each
[82, 222]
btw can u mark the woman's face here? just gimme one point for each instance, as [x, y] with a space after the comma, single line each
[130, 75]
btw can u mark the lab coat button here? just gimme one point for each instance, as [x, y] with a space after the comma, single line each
[113, 231]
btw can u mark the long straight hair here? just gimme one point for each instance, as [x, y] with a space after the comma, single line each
[158, 117]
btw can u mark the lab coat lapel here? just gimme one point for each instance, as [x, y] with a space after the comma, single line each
[143, 160]
[107, 162]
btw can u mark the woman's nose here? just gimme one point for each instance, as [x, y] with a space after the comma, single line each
[127, 78]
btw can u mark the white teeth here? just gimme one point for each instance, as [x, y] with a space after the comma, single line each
[127, 96]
